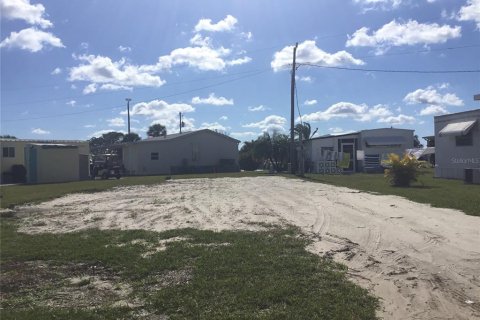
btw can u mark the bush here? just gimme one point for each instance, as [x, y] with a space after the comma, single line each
[402, 172]
[19, 173]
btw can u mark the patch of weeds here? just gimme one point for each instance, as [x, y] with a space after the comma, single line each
[199, 275]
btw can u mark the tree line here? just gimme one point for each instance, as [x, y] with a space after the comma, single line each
[107, 141]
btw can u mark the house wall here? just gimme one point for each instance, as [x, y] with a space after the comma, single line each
[315, 145]
[19, 145]
[57, 165]
[194, 149]
[451, 160]
[383, 151]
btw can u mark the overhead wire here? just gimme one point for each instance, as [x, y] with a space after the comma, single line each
[157, 98]
[308, 64]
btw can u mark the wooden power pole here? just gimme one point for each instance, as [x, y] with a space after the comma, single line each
[128, 113]
[292, 114]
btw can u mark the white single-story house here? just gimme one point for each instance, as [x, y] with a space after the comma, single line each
[366, 149]
[457, 145]
[45, 160]
[198, 151]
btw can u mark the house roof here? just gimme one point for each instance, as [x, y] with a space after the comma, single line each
[43, 141]
[174, 136]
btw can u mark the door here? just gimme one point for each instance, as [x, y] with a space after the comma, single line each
[349, 148]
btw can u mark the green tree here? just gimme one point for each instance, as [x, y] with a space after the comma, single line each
[7, 136]
[273, 148]
[247, 161]
[131, 137]
[416, 142]
[157, 130]
[105, 143]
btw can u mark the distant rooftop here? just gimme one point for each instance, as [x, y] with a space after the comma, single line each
[44, 141]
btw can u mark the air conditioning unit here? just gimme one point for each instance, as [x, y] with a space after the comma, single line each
[472, 175]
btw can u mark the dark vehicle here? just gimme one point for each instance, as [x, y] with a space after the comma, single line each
[106, 166]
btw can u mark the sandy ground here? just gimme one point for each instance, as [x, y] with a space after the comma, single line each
[423, 262]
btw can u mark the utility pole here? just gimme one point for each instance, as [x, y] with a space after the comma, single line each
[292, 114]
[128, 113]
[180, 114]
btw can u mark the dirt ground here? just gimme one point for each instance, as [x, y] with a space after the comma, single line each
[423, 262]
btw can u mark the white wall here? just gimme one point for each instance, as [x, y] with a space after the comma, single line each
[202, 148]
[451, 160]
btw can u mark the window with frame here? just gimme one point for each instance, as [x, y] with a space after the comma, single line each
[466, 140]
[9, 152]
[154, 156]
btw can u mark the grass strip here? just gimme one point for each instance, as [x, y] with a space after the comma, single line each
[182, 274]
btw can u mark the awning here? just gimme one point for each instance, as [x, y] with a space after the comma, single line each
[384, 141]
[457, 128]
[419, 152]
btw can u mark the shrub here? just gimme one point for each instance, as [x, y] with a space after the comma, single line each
[402, 171]
[19, 173]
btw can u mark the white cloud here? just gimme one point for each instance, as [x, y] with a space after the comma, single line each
[270, 123]
[56, 71]
[213, 100]
[239, 61]
[226, 24]
[215, 126]
[164, 113]
[71, 103]
[399, 34]
[244, 135]
[385, 4]
[124, 49]
[89, 126]
[398, 120]
[433, 110]
[258, 108]
[350, 110]
[223, 118]
[304, 79]
[199, 40]
[31, 39]
[310, 102]
[84, 45]
[33, 14]
[116, 122]
[432, 97]
[308, 52]
[113, 75]
[247, 35]
[114, 87]
[470, 12]
[91, 88]
[40, 131]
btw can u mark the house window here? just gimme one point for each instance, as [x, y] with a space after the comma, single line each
[154, 156]
[9, 152]
[466, 140]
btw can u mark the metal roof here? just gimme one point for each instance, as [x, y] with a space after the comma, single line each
[180, 135]
[43, 141]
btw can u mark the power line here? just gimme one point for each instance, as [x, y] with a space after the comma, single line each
[167, 84]
[419, 51]
[388, 70]
[158, 98]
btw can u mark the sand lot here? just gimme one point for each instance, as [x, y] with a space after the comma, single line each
[423, 262]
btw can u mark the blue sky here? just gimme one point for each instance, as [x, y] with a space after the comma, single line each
[67, 66]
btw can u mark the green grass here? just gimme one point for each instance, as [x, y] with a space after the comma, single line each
[207, 275]
[443, 193]
[21, 194]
